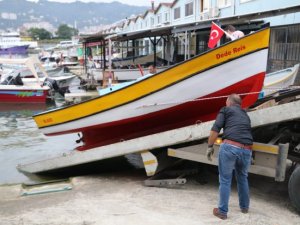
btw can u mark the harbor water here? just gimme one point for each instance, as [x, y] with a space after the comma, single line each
[22, 142]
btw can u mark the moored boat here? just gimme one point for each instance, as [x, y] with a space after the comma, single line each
[30, 69]
[23, 94]
[122, 75]
[13, 89]
[185, 94]
[11, 43]
[21, 49]
[279, 80]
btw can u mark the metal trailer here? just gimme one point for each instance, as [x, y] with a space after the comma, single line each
[275, 155]
[276, 130]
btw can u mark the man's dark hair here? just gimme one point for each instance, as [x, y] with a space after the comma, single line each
[230, 28]
[235, 99]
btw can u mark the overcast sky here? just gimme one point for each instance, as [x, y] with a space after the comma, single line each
[129, 2]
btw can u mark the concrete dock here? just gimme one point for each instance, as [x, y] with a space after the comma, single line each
[120, 198]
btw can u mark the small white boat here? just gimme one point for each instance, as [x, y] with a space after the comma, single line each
[16, 66]
[15, 88]
[122, 74]
[115, 87]
[280, 80]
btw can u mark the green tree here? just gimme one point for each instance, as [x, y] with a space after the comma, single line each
[39, 34]
[66, 32]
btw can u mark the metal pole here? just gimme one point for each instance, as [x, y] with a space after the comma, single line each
[164, 50]
[84, 58]
[109, 63]
[189, 36]
[127, 48]
[133, 50]
[281, 162]
[104, 54]
[109, 55]
[185, 45]
[154, 51]
[122, 44]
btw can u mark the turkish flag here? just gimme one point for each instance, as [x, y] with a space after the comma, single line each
[216, 33]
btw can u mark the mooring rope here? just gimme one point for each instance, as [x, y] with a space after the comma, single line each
[217, 97]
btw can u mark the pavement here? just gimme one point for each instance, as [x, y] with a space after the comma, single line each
[120, 198]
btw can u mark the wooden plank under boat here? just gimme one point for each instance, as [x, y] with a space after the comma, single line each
[187, 93]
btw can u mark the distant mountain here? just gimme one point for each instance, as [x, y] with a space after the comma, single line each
[14, 13]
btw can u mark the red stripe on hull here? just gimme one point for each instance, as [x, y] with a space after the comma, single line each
[25, 97]
[175, 117]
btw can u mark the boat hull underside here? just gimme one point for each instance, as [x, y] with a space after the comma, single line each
[202, 110]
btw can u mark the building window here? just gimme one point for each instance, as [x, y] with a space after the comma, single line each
[152, 21]
[176, 13]
[189, 9]
[205, 5]
[159, 18]
[166, 17]
[224, 3]
[285, 45]
[147, 44]
[146, 23]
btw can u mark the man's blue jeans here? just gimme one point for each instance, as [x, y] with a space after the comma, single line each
[232, 158]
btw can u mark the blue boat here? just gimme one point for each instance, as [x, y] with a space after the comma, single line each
[21, 49]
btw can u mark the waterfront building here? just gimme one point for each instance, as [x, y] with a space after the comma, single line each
[181, 29]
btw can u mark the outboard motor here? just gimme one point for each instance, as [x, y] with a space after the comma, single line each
[18, 80]
[52, 84]
[66, 69]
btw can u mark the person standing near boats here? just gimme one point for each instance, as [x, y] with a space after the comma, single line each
[152, 70]
[235, 153]
[232, 33]
[217, 32]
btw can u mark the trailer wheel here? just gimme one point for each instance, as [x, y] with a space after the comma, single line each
[294, 187]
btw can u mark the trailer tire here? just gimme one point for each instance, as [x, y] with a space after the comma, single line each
[294, 187]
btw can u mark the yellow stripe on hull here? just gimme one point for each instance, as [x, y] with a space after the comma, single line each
[236, 49]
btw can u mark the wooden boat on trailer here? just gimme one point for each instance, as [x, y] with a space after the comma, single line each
[187, 93]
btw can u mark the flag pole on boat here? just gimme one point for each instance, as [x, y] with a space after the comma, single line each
[216, 34]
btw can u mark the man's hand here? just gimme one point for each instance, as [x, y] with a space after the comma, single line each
[209, 152]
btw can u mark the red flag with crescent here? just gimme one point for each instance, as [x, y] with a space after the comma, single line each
[216, 33]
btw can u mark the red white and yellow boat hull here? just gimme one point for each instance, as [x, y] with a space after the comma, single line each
[182, 95]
